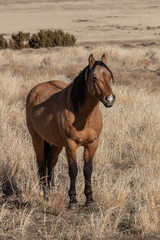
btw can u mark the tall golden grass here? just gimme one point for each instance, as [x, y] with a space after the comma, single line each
[126, 171]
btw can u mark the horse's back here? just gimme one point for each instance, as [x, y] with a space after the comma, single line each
[44, 91]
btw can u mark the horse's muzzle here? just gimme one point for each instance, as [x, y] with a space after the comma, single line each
[109, 100]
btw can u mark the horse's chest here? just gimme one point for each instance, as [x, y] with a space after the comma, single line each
[82, 131]
[85, 137]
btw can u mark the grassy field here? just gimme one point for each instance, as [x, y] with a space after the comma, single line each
[126, 170]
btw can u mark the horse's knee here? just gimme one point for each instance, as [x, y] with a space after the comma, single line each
[87, 174]
[73, 170]
[87, 170]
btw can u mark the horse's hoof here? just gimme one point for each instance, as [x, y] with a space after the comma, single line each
[90, 203]
[73, 206]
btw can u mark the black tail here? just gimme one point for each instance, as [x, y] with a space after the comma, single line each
[47, 147]
[46, 152]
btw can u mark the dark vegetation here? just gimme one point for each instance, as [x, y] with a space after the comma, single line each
[41, 39]
[3, 42]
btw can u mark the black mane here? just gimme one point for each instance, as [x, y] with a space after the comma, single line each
[79, 86]
[78, 90]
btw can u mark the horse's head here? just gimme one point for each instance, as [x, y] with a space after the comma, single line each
[99, 79]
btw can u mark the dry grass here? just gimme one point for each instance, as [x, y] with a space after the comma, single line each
[126, 179]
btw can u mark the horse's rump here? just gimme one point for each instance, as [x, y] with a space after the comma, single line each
[42, 106]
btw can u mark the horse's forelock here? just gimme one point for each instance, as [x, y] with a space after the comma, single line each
[100, 63]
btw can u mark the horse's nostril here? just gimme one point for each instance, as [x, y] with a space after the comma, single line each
[109, 99]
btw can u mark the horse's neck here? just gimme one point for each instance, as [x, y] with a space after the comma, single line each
[90, 107]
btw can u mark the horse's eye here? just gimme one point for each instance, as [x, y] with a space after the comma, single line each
[94, 79]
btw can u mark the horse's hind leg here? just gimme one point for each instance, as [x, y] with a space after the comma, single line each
[71, 148]
[38, 144]
[51, 162]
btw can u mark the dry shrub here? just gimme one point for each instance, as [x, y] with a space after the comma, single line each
[41, 39]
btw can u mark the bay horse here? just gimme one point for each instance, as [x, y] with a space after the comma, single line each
[60, 115]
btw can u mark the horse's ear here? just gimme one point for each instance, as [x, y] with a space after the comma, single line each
[104, 59]
[91, 60]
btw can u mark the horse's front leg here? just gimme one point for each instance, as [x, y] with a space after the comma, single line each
[89, 152]
[71, 148]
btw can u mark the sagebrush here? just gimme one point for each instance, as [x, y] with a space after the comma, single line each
[41, 39]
